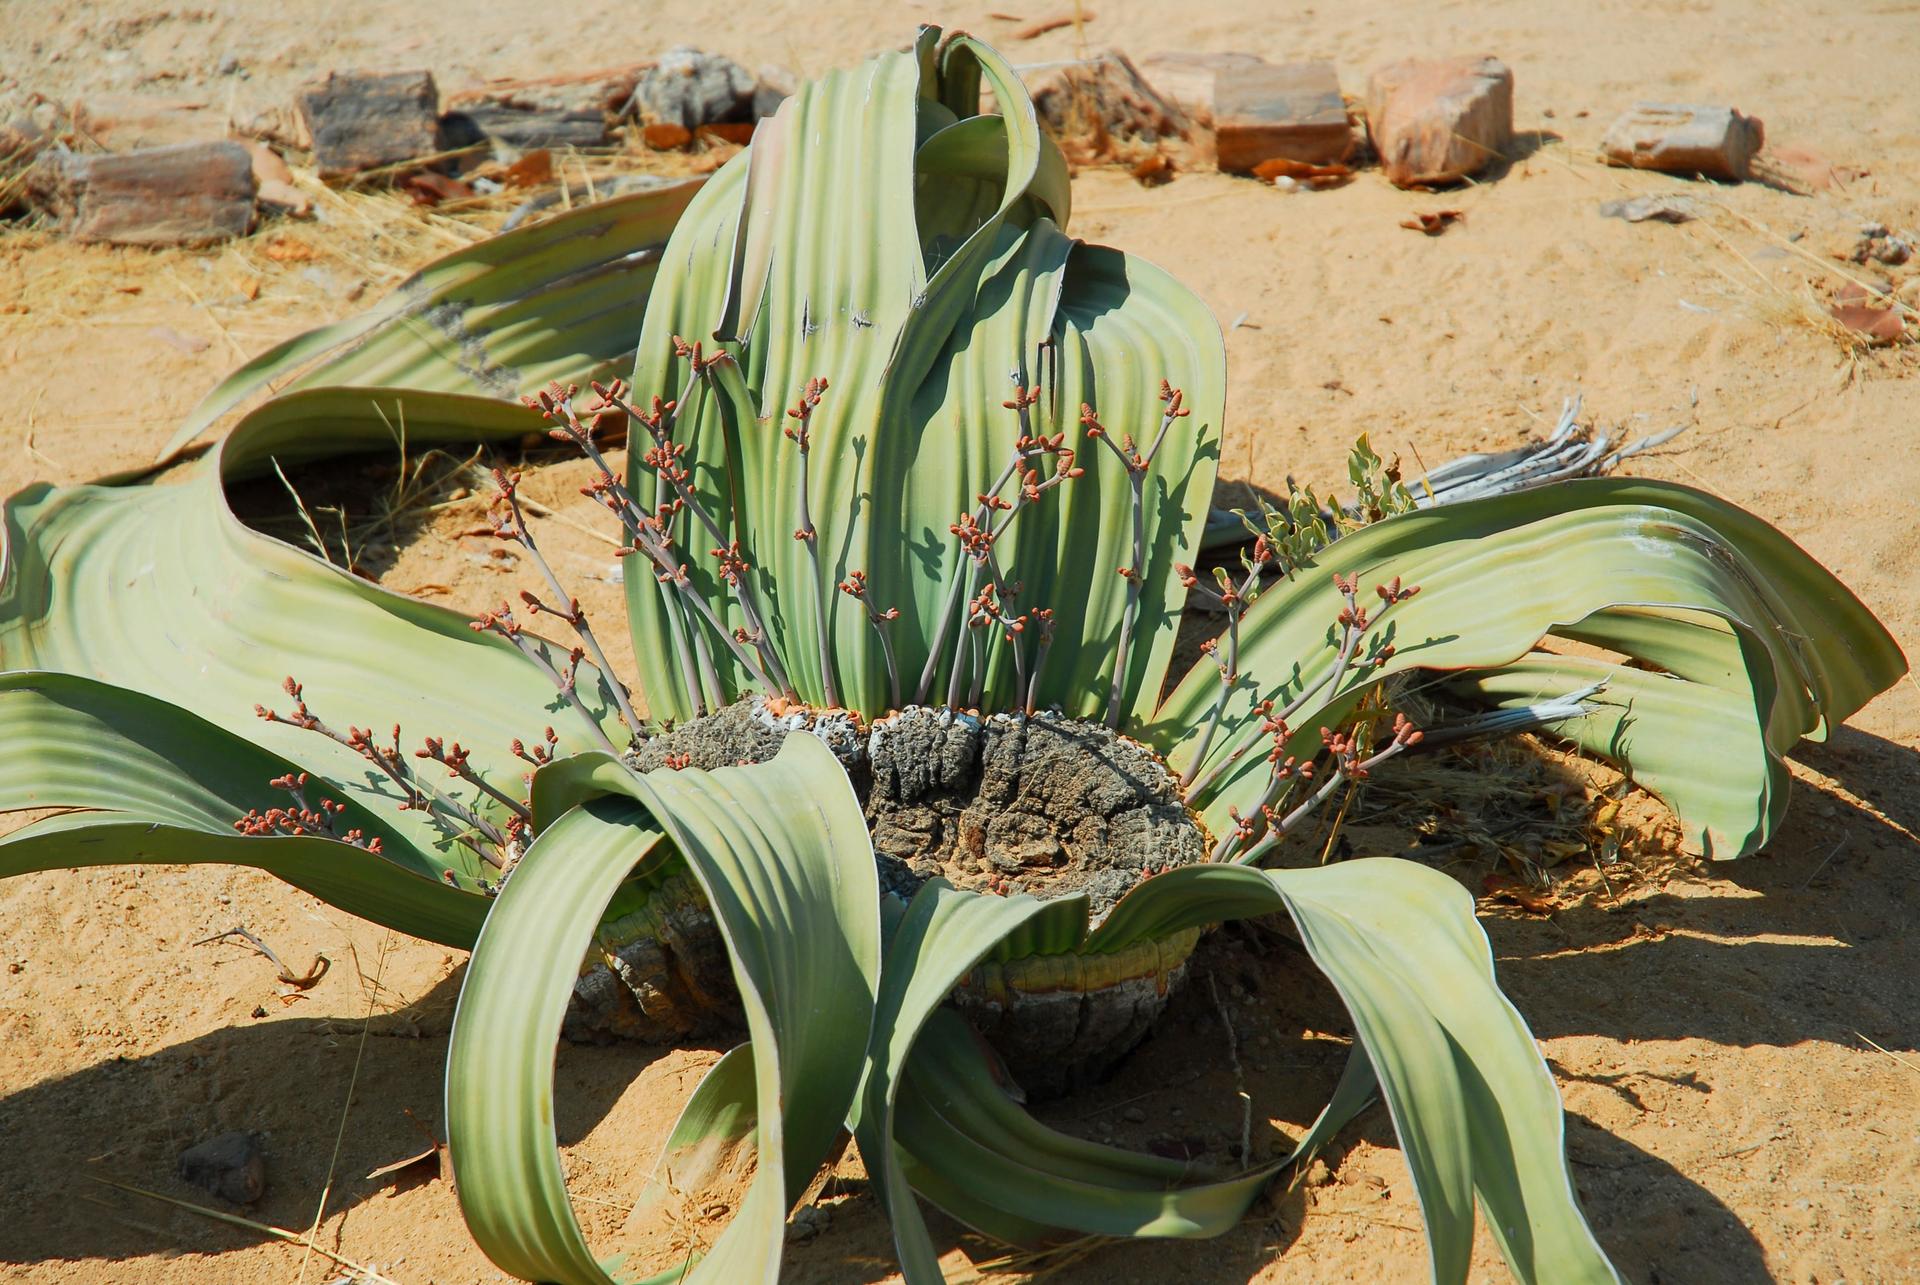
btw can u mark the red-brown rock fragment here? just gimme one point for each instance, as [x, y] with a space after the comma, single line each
[370, 120]
[187, 194]
[1684, 138]
[1437, 121]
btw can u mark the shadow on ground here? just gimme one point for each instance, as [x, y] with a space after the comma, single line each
[1802, 942]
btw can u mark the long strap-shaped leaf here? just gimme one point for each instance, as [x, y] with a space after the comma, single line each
[781, 850]
[1701, 582]
[962, 288]
[968, 1147]
[162, 589]
[159, 785]
[1471, 1099]
[1663, 724]
[932, 1115]
[559, 300]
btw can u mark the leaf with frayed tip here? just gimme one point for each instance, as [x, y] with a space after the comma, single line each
[162, 589]
[965, 288]
[561, 300]
[1658, 724]
[1471, 1099]
[1652, 568]
[781, 850]
[159, 785]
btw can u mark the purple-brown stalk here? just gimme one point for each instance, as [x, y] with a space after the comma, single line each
[1234, 600]
[461, 822]
[651, 532]
[1137, 466]
[978, 533]
[855, 587]
[1344, 756]
[1352, 625]
[501, 621]
[801, 435]
[510, 523]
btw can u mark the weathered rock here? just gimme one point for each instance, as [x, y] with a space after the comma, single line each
[775, 86]
[1101, 106]
[690, 89]
[524, 128]
[1188, 80]
[232, 1166]
[605, 90]
[189, 194]
[1662, 209]
[1259, 111]
[1683, 138]
[1438, 121]
[362, 121]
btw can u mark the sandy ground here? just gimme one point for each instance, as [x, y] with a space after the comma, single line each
[1713, 1029]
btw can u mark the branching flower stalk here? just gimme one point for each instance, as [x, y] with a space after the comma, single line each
[660, 425]
[1348, 765]
[801, 435]
[1137, 466]
[1043, 617]
[651, 533]
[301, 818]
[978, 531]
[1350, 627]
[1234, 600]
[510, 523]
[556, 405]
[501, 621]
[460, 822]
[855, 587]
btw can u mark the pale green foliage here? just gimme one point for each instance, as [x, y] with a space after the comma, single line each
[880, 233]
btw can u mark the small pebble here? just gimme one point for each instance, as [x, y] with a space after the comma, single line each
[232, 1166]
[1134, 1115]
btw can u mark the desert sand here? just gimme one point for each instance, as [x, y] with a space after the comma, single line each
[1735, 1043]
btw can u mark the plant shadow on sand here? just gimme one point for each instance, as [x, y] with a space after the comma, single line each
[1829, 900]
